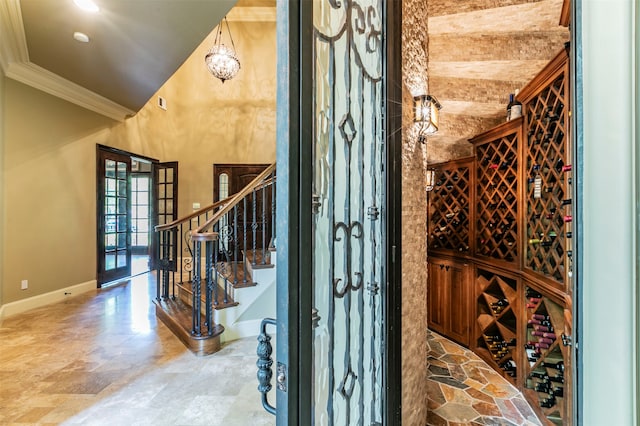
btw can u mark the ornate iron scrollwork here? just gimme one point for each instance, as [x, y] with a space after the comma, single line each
[264, 364]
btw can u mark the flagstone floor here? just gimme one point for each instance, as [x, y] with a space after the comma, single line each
[464, 390]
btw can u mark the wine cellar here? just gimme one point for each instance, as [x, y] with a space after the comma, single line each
[500, 246]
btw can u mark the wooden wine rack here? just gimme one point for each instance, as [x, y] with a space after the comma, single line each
[512, 204]
[497, 192]
[546, 357]
[496, 321]
[548, 174]
[449, 207]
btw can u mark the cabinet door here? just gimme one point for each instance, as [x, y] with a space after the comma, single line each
[437, 299]
[458, 303]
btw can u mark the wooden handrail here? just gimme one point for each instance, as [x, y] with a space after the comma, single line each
[196, 213]
[236, 198]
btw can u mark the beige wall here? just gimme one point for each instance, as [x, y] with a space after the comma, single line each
[208, 121]
[50, 148]
[414, 233]
[2, 215]
[49, 236]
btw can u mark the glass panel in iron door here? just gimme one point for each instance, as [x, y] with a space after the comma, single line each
[349, 222]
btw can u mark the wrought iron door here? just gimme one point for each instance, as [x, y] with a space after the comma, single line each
[114, 216]
[348, 218]
[337, 215]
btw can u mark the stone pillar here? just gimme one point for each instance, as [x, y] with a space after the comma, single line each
[414, 210]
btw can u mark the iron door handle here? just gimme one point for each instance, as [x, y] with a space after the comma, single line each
[264, 364]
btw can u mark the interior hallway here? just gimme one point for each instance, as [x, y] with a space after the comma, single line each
[102, 358]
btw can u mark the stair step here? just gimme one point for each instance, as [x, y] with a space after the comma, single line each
[226, 270]
[176, 315]
[186, 294]
[255, 259]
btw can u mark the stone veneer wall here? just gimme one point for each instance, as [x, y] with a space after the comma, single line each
[414, 244]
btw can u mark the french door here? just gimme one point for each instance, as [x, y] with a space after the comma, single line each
[337, 205]
[114, 216]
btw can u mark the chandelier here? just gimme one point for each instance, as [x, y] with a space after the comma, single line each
[221, 59]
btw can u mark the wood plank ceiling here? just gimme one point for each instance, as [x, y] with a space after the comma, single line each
[479, 52]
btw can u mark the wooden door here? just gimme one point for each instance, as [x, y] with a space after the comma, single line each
[113, 216]
[459, 303]
[438, 301]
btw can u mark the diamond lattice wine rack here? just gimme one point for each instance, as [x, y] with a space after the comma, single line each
[548, 179]
[497, 192]
[449, 207]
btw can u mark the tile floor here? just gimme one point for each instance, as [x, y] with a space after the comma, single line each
[101, 358]
[464, 390]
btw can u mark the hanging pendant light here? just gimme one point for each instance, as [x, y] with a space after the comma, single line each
[221, 59]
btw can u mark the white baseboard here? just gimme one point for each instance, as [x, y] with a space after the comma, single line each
[24, 305]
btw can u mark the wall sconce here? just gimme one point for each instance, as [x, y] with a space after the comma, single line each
[426, 112]
[431, 179]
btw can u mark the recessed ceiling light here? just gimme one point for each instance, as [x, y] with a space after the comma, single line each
[87, 5]
[81, 37]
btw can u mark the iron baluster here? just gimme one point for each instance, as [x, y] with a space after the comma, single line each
[165, 278]
[216, 249]
[264, 225]
[195, 311]
[244, 240]
[235, 246]
[273, 210]
[264, 364]
[254, 226]
[209, 287]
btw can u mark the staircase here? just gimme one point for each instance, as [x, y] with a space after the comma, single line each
[217, 266]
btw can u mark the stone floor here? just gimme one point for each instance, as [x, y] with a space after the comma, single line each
[101, 358]
[464, 390]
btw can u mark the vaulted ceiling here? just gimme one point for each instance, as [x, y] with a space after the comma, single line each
[480, 51]
[135, 46]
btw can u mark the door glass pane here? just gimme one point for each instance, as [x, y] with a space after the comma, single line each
[169, 175]
[122, 224]
[110, 242]
[122, 170]
[122, 205]
[110, 186]
[110, 205]
[122, 188]
[122, 241]
[109, 261]
[122, 258]
[349, 222]
[110, 168]
[110, 223]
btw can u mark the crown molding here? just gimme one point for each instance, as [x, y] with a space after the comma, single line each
[14, 60]
[252, 14]
[39, 78]
[13, 43]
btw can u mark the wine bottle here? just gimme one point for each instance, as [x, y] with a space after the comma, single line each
[557, 379]
[509, 105]
[540, 317]
[532, 293]
[566, 168]
[516, 107]
[549, 402]
[568, 218]
[534, 241]
[556, 365]
[566, 202]
[559, 165]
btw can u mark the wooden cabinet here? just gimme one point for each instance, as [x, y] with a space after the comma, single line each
[448, 295]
